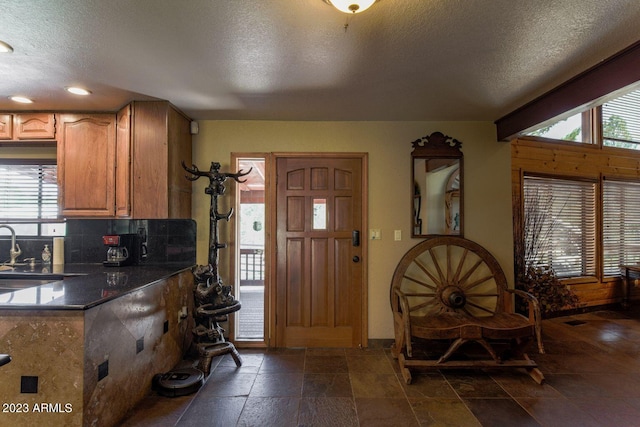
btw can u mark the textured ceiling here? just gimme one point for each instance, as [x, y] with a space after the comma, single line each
[293, 60]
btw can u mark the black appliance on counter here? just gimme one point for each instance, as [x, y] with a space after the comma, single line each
[125, 249]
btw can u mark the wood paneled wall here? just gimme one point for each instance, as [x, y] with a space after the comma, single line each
[581, 161]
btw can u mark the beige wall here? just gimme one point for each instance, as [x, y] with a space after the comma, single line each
[30, 152]
[487, 186]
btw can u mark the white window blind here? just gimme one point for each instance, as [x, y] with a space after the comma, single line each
[28, 191]
[621, 225]
[559, 226]
[621, 121]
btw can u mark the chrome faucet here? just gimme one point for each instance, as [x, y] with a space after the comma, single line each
[15, 251]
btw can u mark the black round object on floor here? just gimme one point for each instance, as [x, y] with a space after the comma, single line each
[179, 382]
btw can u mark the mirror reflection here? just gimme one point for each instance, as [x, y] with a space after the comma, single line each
[437, 186]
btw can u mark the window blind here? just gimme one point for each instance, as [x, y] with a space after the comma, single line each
[621, 225]
[28, 191]
[559, 230]
[621, 121]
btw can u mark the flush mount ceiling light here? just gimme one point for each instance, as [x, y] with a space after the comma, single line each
[351, 6]
[21, 99]
[77, 90]
[5, 47]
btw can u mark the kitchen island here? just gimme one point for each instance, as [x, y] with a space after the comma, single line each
[85, 348]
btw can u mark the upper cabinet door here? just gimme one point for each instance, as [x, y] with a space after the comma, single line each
[6, 126]
[86, 164]
[35, 126]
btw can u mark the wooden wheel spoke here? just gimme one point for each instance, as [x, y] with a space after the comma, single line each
[470, 272]
[463, 258]
[472, 295]
[438, 282]
[420, 282]
[434, 258]
[479, 307]
[478, 282]
[449, 271]
[467, 312]
[429, 303]
[417, 294]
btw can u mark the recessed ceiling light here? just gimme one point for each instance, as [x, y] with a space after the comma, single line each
[78, 90]
[5, 47]
[21, 99]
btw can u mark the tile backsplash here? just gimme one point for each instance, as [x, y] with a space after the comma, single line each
[168, 240]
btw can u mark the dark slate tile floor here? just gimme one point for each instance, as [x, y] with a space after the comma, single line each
[592, 370]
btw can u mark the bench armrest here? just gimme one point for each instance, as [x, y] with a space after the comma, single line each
[535, 316]
[405, 313]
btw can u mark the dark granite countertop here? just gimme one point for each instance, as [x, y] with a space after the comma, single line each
[80, 286]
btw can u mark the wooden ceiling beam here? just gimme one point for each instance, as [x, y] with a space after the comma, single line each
[581, 92]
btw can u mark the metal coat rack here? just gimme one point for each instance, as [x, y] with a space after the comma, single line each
[213, 299]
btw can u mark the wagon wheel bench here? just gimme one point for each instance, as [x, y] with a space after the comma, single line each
[449, 291]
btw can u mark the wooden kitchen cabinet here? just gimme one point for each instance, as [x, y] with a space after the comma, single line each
[6, 126]
[34, 126]
[27, 126]
[86, 154]
[159, 140]
[125, 165]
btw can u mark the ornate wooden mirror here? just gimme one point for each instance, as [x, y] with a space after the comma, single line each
[437, 186]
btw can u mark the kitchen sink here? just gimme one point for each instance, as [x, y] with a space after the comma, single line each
[14, 280]
[30, 275]
[11, 285]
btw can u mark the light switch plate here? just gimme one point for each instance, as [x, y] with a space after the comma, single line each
[374, 234]
[397, 234]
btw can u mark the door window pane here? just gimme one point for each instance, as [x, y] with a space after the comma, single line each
[319, 214]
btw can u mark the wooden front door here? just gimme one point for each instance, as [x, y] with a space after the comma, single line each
[320, 270]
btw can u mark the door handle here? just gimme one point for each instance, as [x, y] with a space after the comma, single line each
[355, 238]
[356, 258]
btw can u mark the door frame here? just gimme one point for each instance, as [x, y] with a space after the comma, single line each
[272, 241]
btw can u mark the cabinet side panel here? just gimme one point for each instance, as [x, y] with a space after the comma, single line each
[150, 187]
[179, 151]
[123, 165]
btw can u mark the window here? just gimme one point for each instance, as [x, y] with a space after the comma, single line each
[29, 196]
[559, 225]
[621, 225]
[569, 129]
[621, 121]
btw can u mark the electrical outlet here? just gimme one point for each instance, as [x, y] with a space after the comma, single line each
[103, 369]
[28, 384]
[397, 234]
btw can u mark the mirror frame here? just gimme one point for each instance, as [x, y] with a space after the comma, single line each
[436, 146]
